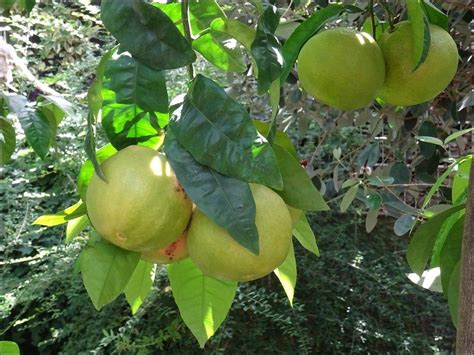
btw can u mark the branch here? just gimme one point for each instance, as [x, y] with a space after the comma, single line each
[23, 69]
[465, 333]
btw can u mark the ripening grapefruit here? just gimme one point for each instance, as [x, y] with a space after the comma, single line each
[218, 255]
[142, 206]
[406, 87]
[178, 250]
[341, 67]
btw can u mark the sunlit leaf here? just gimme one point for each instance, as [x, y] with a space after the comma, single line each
[304, 234]
[286, 273]
[49, 220]
[139, 285]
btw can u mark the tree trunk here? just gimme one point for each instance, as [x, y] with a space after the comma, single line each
[465, 333]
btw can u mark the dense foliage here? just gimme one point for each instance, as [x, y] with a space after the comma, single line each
[354, 298]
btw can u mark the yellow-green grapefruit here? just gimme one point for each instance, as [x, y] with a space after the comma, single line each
[178, 250]
[405, 87]
[341, 67]
[218, 255]
[141, 206]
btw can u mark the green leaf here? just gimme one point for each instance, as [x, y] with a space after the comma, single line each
[435, 15]
[225, 200]
[304, 234]
[380, 181]
[87, 169]
[303, 33]
[274, 102]
[76, 226]
[441, 179]
[136, 84]
[9, 348]
[421, 244]
[404, 224]
[106, 270]
[453, 293]
[350, 182]
[298, 189]
[65, 106]
[244, 34]
[431, 140]
[203, 302]
[72, 212]
[371, 220]
[427, 128]
[15, 103]
[380, 27]
[286, 273]
[461, 181]
[373, 200]
[127, 125]
[420, 30]
[457, 134]
[223, 137]
[368, 156]
[349, 197]
[266, 49]
[147, 33]
[38, 131]
[94, 94]
[400, 173]
[221, 50]
[7, 140]
[442, 235]
[281, 138]
[139, 285]
[451, 253]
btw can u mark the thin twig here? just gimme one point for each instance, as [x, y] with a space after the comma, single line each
[187, 32]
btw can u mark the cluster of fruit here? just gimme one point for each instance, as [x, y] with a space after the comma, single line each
[347, 69]
[143, 208]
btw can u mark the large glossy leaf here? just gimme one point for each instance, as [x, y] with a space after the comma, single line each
[266, 49]
[15, 103]
[420, 31]
[443, 233]
[87, 169]
[304, 234]
[461, 181]
[147, 33]
[435, 15]
[286, 273]
[76, 226]
[70, 213]
[203, 302]
[106, 270]
[139, 285]
[304, 32]
[243, 33]
[453, 292]
[281, 138]
[298, 190]
[421, 244]
[225, 200]
[451, 253]
[126, 124]
[62, 104]
[221, 135]
[221, 50]
[135, 83]
[38, 131]
[7, 140]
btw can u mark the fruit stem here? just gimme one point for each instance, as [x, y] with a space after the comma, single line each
[388, 14]
[187, 31]
[372, 17]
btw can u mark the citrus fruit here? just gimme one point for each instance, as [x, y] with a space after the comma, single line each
[141, 206]
[218, 255]
[178, 250]
[341, 67]
[406, 87]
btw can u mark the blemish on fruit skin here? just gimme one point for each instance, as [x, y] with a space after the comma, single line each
[121, 236]
[170, 249]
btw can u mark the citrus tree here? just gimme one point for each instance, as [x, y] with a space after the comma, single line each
[197, 183]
